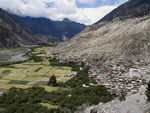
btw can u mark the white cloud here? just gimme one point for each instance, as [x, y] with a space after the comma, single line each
[61, 9]
[86, 1]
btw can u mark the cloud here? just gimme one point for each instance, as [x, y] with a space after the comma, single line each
[58, 10]
[86, 1]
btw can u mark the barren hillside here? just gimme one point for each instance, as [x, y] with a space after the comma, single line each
[128, 39]
[123, 34]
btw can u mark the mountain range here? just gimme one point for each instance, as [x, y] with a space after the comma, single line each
[130, 9]
[45, 26]
[17, 31]
[12, 33]
[122, 35]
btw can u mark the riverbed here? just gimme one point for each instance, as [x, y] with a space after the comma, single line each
[10, 55]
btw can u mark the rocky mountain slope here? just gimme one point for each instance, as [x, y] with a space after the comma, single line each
[113, 39]
[12, 33]
[130, 9]
[44, 26]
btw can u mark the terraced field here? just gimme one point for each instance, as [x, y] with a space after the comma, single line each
[32, 73]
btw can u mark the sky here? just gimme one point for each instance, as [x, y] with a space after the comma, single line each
[83, 11]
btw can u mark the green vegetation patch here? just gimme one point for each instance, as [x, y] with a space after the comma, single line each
[18, 82]
[38, 69]
[73, 65]
[64, 99]
[40, 83]
[9, 64]
[5, 72]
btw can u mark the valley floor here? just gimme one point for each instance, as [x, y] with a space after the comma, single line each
[30, 73]
[67, 96]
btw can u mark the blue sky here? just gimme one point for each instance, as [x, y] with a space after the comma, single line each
[98, 3]
[49, 4]
[82, 11]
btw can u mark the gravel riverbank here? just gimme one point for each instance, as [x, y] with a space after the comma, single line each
[9, 55]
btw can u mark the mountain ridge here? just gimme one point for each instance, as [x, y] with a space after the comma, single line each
[130, 9]
[45, 26]
[12, 33]
[126, 40]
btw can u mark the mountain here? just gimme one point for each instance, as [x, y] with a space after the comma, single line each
[44, 26]
[130, 9]
[113, 38]
[12, 33]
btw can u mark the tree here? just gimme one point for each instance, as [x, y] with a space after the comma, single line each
[122, 95]
[36, 58]
[52, 81]
[148, 92]
[148, 86]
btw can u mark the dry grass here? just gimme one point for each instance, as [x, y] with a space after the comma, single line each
[63, 79]
[49, 106]
[49, 88]
[4, 81]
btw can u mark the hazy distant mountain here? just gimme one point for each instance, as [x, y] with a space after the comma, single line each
[126, 38]
[44, 26]
[12, 33]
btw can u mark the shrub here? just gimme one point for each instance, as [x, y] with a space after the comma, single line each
[52, 81]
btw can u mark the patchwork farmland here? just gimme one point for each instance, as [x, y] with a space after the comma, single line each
[30, 73]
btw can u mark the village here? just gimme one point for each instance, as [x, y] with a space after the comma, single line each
[116, 80]
[116, 76]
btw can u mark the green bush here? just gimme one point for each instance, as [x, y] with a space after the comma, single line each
[70, 99]
[52, 81]
[55, 62]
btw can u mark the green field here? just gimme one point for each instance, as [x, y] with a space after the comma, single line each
[32, 73]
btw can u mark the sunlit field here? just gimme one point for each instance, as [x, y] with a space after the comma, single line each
[32, 73]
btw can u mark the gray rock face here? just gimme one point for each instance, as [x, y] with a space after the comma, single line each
[7, 39]
[12, 33]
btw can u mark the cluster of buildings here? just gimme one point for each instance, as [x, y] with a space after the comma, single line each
[116, 76]
[71, 74]
[119, 79]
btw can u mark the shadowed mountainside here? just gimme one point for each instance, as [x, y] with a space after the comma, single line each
[44, 26]
[12, 33]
